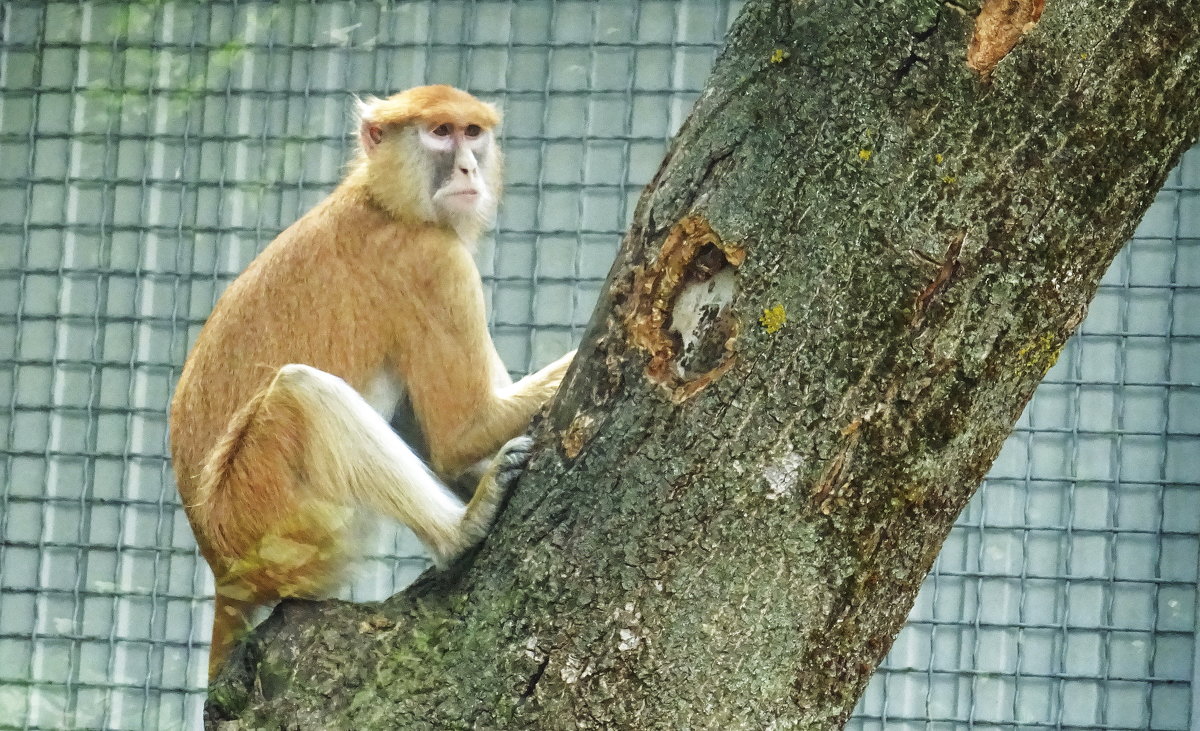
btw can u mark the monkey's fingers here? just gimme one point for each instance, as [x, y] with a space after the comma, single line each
[511, 461]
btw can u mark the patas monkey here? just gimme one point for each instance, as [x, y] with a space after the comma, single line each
[278, 423]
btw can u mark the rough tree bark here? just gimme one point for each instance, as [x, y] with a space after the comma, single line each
[858, 259]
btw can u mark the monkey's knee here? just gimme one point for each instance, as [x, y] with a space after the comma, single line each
[318, 390]
[301, 376]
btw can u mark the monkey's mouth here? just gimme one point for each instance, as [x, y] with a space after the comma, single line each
[470, 193]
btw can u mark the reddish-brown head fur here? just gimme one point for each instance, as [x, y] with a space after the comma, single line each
[430, 105]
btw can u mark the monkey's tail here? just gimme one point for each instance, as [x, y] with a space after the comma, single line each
[231, 620]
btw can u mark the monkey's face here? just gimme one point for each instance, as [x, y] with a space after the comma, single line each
[460, 166]
[431, 157]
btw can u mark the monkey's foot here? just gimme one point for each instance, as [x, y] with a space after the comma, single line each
[501, 475]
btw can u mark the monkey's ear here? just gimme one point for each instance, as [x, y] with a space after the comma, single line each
[370, 135]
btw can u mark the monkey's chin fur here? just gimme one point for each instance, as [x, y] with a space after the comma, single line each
[468, 215]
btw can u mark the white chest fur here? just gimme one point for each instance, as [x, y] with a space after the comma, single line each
[383, 392]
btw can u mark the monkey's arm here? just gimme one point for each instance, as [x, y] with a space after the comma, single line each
[500, 377]
[503, 414]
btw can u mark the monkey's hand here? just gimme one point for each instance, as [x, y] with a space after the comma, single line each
[511, 461]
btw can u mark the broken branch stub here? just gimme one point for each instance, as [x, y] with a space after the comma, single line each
[998, 27]
[680, 308]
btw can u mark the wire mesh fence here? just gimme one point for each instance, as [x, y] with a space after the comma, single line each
[149, 150]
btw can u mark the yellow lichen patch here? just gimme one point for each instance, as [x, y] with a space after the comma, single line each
[1041, 354]
[779, 55]
[772, 319]
[998, 27]
[375, 623]
[915, 494]
[1051, 360]
[937, 159]
[864, 154]
[949, 179]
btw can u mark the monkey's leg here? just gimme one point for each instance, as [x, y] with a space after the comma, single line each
[352, 453]
[278, 495]
[265, 529]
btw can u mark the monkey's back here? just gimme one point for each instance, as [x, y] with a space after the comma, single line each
[299, 301]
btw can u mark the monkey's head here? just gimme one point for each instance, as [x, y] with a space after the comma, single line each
[431, 156]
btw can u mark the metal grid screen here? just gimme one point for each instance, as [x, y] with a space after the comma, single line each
[148, 151]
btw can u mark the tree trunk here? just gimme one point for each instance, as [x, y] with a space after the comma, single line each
[859, 258]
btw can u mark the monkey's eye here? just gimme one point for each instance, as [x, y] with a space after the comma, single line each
[442, 130]
[474, 130]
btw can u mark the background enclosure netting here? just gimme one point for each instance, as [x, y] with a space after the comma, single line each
[149, 150]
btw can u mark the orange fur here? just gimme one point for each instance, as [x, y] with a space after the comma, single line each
[272, 459]
[433, 105]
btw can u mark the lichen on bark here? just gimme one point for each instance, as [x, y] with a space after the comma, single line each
[743, 557]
